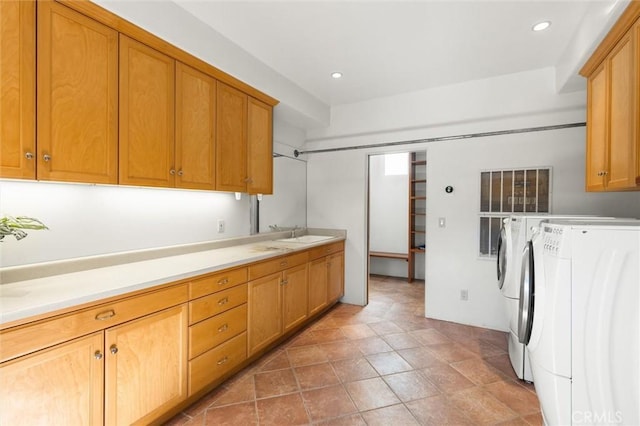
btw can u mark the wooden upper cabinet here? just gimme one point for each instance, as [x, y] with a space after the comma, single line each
[260, 147]
[195, 128]
[147, 98]
[17, 89]
[597, 137]
[231, 139]
[77, 97]
[623, 116]
[613, 107]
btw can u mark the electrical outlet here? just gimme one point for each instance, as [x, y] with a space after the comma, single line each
[464, 294]
[220, 226]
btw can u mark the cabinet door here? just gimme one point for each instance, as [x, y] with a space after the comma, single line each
[335, 276]
[623, 116]
[63, 384]
[147, 81]
[265, 312]
[195, 128]
[317, 285]
[295, 294]
[77, 97]
[260, 147]
[231, 139]
[597, 135]
[17, 89]
[146, 367]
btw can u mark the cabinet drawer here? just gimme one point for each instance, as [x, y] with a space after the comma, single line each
[217, 282]
[317, 252]
[216, 303]
[215, 363]
[280, 264]
[41, 334]
[210, 333]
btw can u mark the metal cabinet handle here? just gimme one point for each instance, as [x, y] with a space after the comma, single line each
[283, 263]
[28, 155]
[46, 157]
[98, 355]
[113, 349]
[223, 328]
[180, 172]
[223, 360]
[105, 315]
[284, 282]
[172, 172]
[223, 281]
[223, 301]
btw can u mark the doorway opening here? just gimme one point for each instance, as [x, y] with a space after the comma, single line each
[396, 212]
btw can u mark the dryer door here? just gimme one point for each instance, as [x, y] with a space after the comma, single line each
[527, 295]
[501, 262]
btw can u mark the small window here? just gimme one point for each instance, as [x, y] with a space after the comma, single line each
[503, 192]
[396, 164]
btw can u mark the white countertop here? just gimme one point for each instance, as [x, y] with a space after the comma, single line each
[22, 299]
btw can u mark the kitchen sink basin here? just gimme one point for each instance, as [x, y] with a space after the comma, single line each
[306, 239]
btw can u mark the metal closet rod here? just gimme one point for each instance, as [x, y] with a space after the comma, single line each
[447, 138]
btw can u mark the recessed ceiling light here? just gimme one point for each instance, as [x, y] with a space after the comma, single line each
[336, 74]
[541, 26]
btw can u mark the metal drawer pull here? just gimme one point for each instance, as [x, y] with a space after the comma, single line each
[98, 355]
[284, 282]
[46, 157]
[28, 155]
[223, 301]
[223, 328]
[113, 349]
[223, 360]
[102, 316]
[283, 263]
[223, 281]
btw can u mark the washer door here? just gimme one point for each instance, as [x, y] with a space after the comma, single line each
[527, 295]
[501, 262]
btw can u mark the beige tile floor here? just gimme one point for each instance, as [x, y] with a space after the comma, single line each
[383, 364]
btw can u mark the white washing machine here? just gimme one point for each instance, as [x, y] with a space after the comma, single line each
[516, 232]
[579, 318]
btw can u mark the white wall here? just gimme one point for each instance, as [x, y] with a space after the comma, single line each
[87, 220]
[388, 217]
[287, 206]
[337, 180]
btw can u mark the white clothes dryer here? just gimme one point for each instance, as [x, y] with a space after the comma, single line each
[516, 232]
[579, 318]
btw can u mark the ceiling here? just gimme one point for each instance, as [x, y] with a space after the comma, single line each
[390, 47]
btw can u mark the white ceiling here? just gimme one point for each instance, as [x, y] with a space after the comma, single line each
[390, 47]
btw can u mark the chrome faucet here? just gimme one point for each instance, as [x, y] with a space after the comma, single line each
[293, 231]
[275, 228]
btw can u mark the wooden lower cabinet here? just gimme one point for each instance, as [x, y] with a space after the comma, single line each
[62, 384]
[335, 276]
[294, 297]
[317, 285]
[265, 312]
[146, 367]
[141, 375]
[137, 359]
[326, 277]
[216, 362]
[277, 304]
